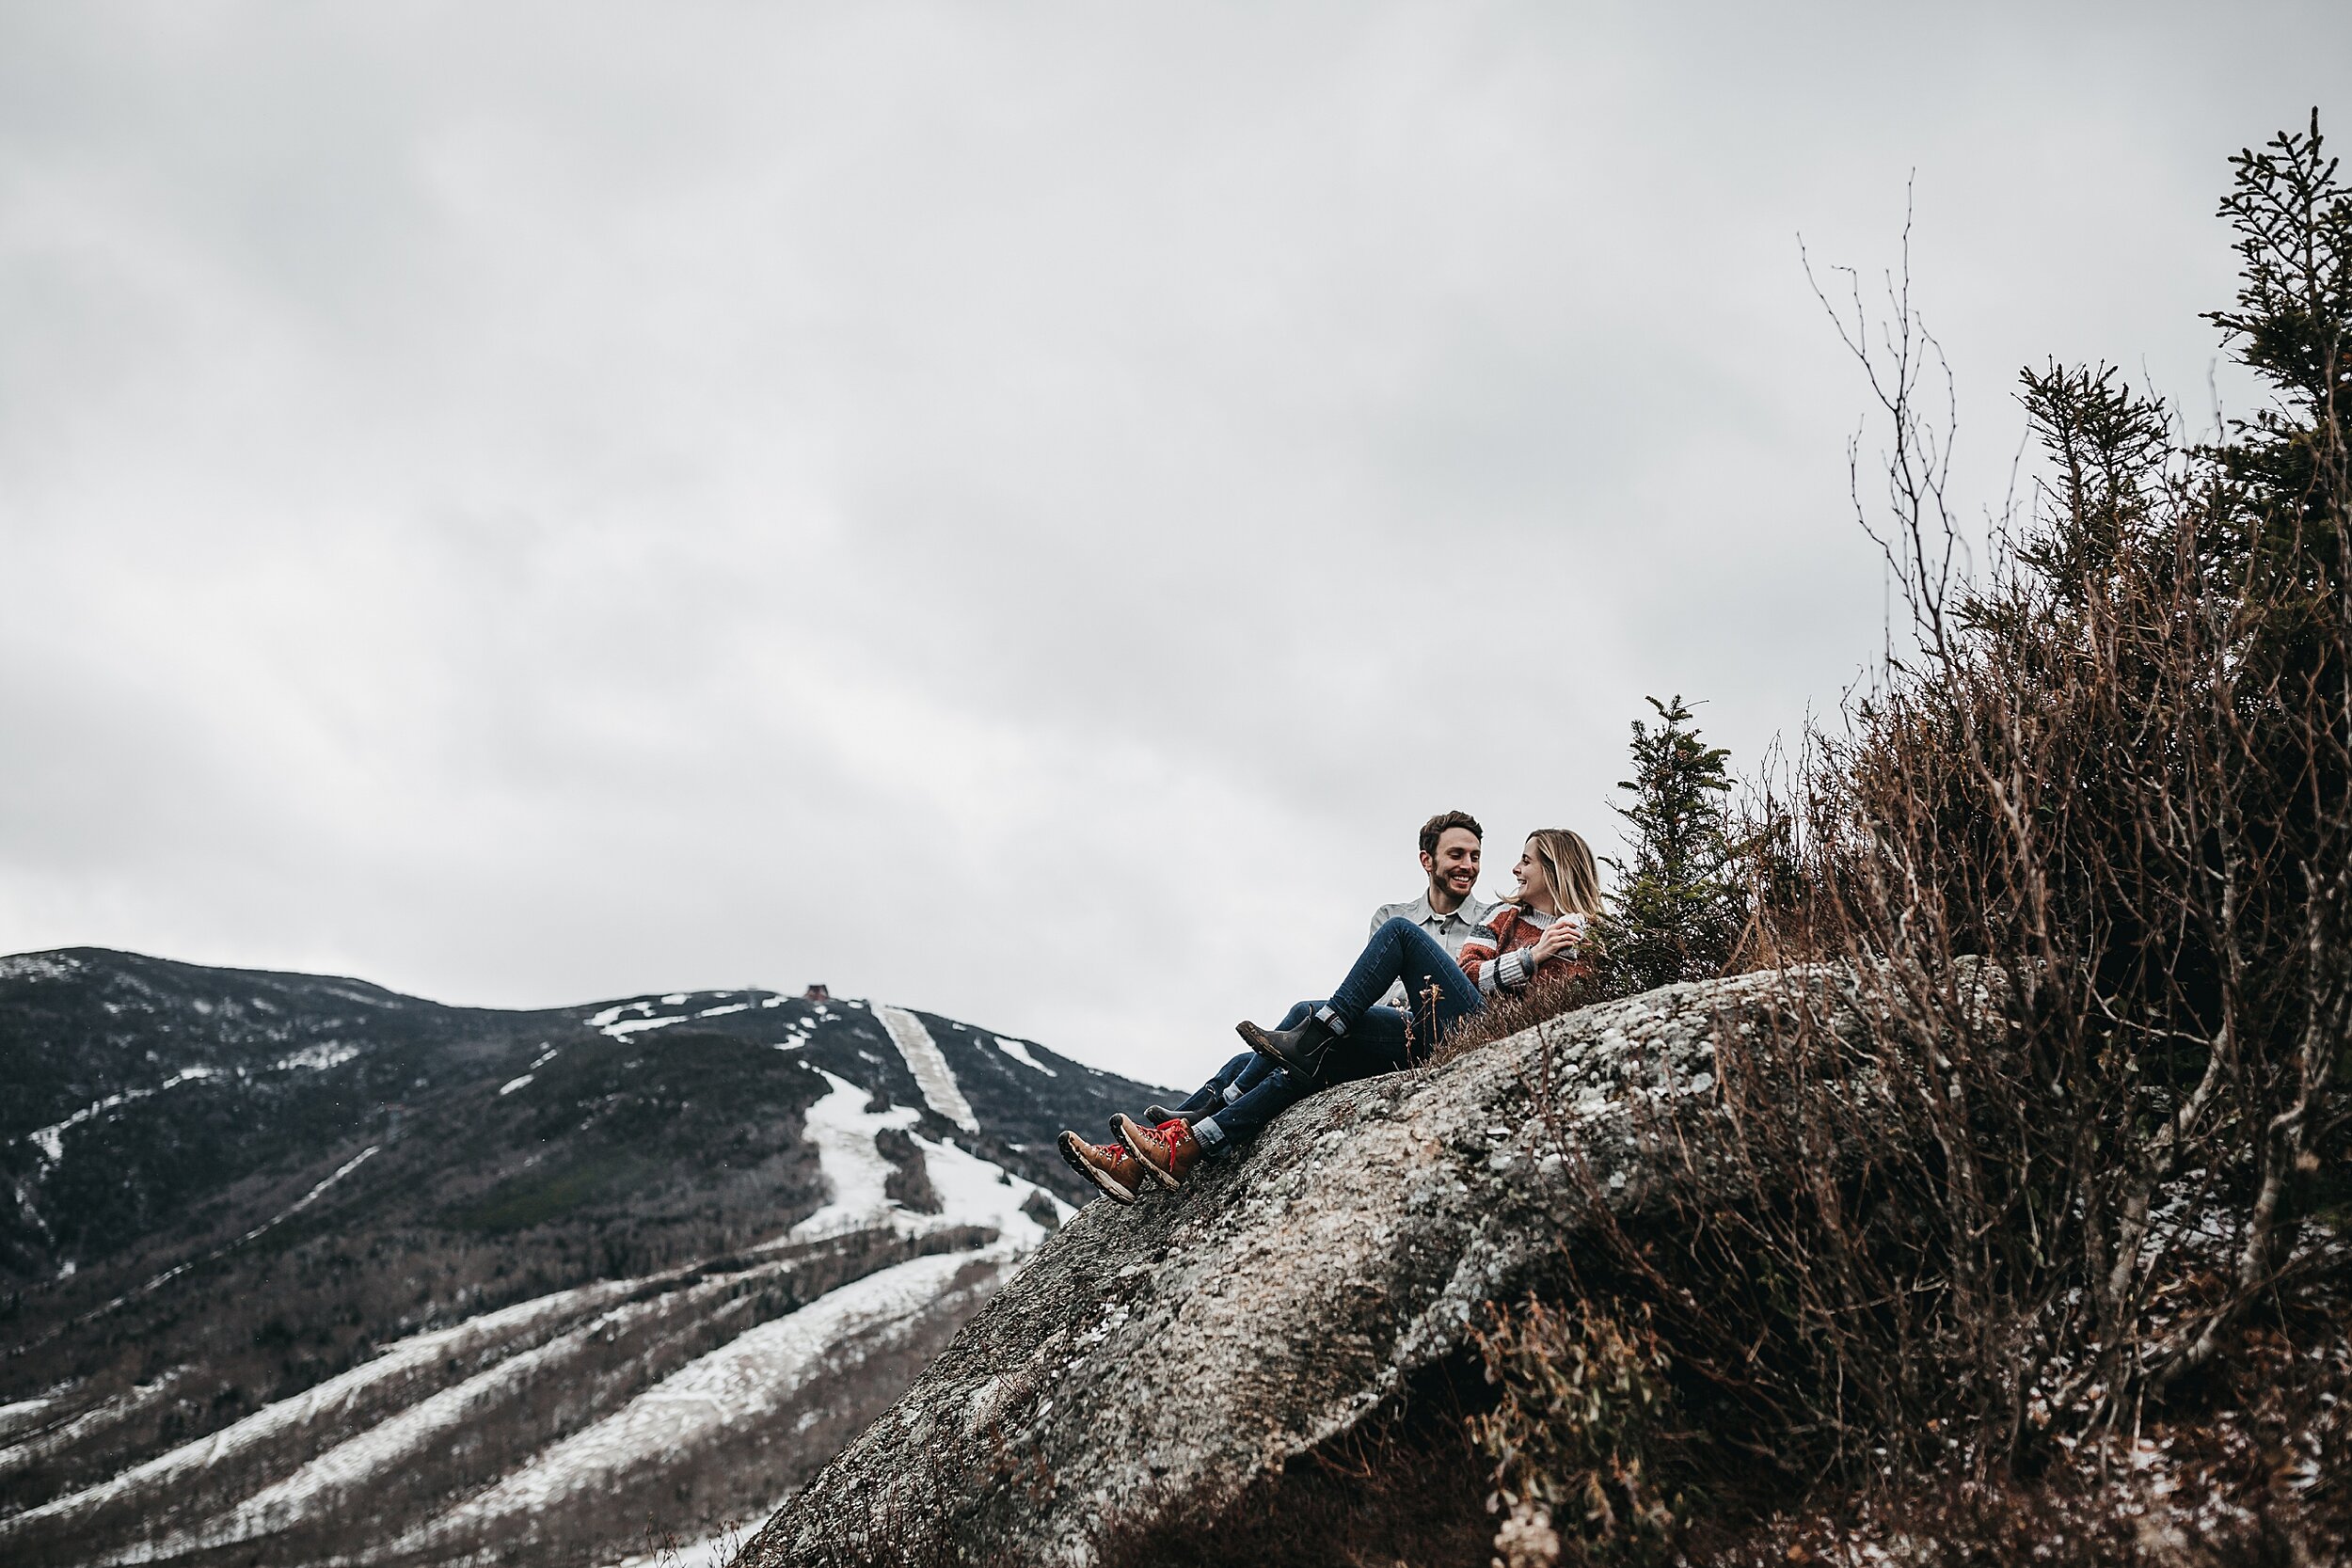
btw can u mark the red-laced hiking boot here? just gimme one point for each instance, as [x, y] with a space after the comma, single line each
[1166, 1152]
[1116, 1174]
[1156, 1114]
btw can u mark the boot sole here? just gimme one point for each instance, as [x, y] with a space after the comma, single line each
[1099, 1179]
[1128, 1133]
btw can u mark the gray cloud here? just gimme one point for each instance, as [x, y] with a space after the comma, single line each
[1015, 511]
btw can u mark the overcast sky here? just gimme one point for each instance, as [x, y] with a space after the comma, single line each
[1019, 511]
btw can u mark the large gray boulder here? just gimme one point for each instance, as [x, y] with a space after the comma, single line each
[1271, 1305]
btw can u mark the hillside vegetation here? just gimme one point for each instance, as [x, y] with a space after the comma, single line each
[2065, 1200]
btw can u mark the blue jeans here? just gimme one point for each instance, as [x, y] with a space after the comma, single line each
[1372, 1039]
[1242, 1074]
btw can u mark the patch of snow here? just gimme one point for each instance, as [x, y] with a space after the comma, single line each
[22, 1412]
[512, 1083]
[977, 1192]
[330, 1054]
[730, 1007]
[675, 999]
[715, 1550]
[843, 1130]
[300, 1204]
[772, 1002]
[629, 1027]
[932, 1074]
[1019, 1052]
[39, 966]
[67, 1269]
[605, 1018]
[122, 1408]
[222, 1251]
[50, 1139]
[972, 1191]
[545, 1056]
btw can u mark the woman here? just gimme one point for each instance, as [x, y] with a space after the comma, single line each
[1531, 938]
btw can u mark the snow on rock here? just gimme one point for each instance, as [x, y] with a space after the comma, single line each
[931, 1075]
[1019, 1052]
[512, 1083]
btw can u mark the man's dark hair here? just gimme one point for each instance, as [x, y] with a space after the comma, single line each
[1434, 827]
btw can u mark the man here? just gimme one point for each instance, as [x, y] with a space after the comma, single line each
[1447, 909]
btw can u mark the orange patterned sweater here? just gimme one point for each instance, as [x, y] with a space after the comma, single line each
[1495, 956]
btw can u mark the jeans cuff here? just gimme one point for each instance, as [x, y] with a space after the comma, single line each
[1210, 1135]
[1232, 1094]
[1331, 1019]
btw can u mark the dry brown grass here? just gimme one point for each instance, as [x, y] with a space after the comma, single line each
[2085, 850]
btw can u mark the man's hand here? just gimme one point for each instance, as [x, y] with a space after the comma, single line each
[1558, 937]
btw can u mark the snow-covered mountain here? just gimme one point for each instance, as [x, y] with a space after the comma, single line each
[296, 1269]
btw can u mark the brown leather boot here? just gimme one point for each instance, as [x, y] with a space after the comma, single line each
[1166, 1152]
[1303, 1052]
[1116, 1173]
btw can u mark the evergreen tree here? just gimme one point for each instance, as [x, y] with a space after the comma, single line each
[1680, 903]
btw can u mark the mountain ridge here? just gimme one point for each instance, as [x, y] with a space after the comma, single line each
[275, 1237]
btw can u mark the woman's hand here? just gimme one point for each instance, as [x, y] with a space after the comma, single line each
[1558, 937]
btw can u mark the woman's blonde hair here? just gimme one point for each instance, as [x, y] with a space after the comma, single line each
[1569, 868]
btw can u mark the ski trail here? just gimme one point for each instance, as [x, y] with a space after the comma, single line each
[412, 1356]
[752, 1376]
[931, 1075]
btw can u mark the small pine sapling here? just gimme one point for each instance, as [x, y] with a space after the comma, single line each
[1681, 903]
